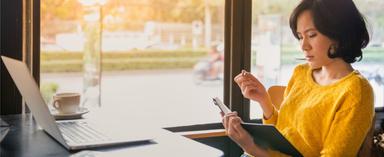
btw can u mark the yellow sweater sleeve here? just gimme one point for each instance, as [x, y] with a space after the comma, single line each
[275, 115]
[273, 119]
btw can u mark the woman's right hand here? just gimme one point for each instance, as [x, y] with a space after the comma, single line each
[251, 87]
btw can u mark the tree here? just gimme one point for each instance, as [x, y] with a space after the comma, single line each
[58, 10]
[129, 14]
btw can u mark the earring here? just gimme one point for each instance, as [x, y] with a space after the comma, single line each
[332, 49]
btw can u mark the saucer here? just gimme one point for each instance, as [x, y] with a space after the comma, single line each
[66, 116]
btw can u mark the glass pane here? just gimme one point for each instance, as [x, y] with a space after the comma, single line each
[274, 48]
[372, 64]
[161, 60]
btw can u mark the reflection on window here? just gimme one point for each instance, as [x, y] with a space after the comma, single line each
[274, 48]
[161, 60]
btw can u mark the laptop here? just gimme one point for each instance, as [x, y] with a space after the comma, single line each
[72, 134]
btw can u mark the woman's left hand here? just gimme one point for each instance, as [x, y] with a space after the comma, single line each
[233, 128]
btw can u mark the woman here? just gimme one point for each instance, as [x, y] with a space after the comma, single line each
[328, 106]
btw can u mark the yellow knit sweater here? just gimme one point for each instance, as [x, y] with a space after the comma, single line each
[330, 120]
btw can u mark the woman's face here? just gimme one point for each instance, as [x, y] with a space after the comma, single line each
[313, 44]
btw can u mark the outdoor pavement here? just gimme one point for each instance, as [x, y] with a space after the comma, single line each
[167, 97]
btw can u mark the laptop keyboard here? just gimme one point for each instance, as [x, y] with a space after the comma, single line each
[81, 132]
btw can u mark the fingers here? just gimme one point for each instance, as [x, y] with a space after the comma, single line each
[241, 75]
[249, 85]
[244, 76]
[232, 125]
[235, 130]
[227, 117]
[246, 84]
[237, 124]
[249, 90]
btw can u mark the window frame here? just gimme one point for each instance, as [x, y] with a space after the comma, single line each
[25, 45]
[239, 54]
[237, 39]
[237, 51]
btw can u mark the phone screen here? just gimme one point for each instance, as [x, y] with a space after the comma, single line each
[221, 105]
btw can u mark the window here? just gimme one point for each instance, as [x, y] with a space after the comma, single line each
[13, 29]
[372, 65]
[157, 60]
[274, 48]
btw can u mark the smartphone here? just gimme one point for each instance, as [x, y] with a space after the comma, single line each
[221, 105]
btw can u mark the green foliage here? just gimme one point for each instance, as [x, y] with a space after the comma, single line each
[128, 14]
[155, 59]
[47, 90]
[115, 61]
[58, 10]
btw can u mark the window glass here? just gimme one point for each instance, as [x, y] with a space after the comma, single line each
[275, 51]
[372, 64]
[157, 60]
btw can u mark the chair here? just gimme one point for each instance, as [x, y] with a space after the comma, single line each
[367, 148]
[276, 94]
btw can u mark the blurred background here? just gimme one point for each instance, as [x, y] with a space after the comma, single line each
[163, 59]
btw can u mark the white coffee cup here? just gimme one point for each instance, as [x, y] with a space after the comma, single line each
[66, 103]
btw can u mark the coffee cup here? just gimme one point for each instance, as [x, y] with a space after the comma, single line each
[66, 103]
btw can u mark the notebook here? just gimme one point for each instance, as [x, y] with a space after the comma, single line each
[266, 136]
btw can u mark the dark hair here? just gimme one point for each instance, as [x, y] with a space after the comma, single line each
[339, 20]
